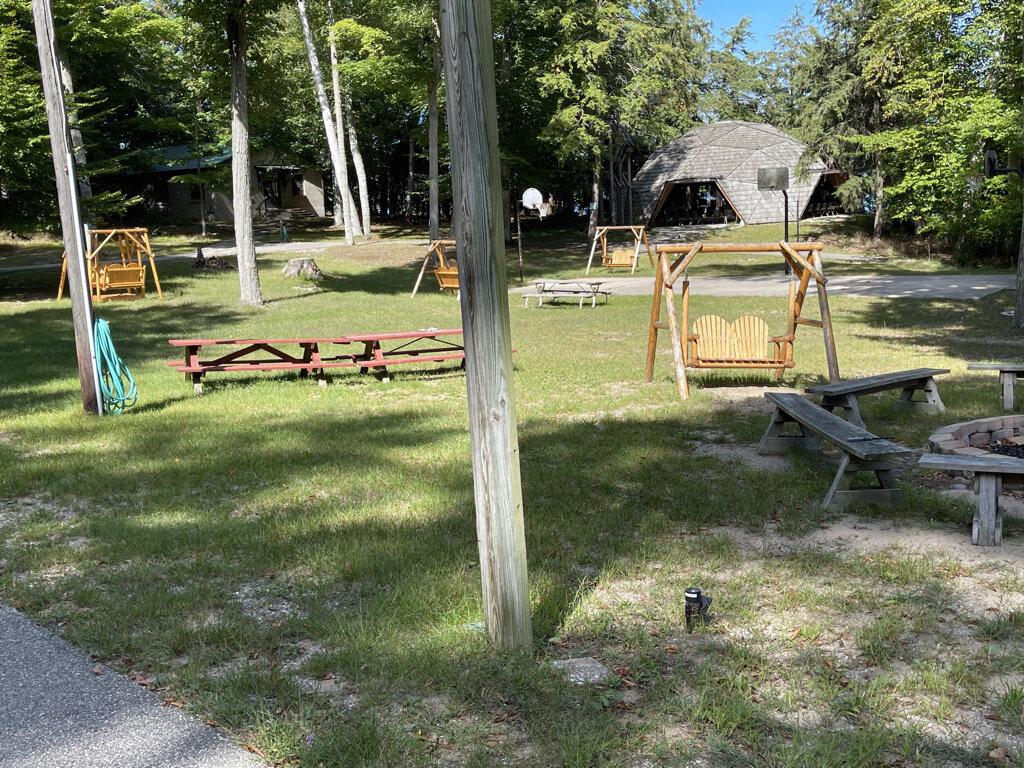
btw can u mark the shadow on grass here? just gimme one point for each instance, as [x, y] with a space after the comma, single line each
[308, 506]
[964, 329]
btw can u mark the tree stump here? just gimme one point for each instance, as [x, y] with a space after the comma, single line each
[305, 267]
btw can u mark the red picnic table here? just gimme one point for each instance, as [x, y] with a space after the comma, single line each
[317, 354]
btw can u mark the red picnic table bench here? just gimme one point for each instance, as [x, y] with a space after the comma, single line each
[319, 354]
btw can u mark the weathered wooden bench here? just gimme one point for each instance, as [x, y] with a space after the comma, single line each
[1008, 375]
[316, 355]
[862, 451]
[989, 471]
[844, 394]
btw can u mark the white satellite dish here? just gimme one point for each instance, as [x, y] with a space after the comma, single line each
[533, 199]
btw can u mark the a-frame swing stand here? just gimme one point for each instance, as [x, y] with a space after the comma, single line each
[122, 279]
[620, 258]
[684, 343]
[447, 271]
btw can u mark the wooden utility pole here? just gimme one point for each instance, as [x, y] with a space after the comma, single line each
[67, 199]
[479, 229]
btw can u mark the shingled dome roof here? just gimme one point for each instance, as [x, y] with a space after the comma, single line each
[729, 153]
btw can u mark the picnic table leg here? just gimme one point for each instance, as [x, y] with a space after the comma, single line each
[1006, 382]
[851, 411]
[932, 402]
[987, 530]
[774, 441]
[192, 361]
[843, 491]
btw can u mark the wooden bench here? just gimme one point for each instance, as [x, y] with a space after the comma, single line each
[316, 355]
[989, 471]
[862, 451]
[1008, 375]
[553, 290]
[844, 394]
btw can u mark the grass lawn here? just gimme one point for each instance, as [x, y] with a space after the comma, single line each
[299, 564]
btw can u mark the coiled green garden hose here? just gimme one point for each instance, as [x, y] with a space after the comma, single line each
[116, 382]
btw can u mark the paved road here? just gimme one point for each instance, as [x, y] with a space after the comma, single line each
[886, 286]
[56, 713]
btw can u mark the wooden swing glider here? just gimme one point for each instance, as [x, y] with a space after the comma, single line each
[745, 343]
[122, 279]
[447, 270]
[620, 257]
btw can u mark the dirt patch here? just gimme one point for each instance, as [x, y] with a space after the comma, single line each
[744, 454]
[380, 254]
[747, 398]
[269, 601]
[13, 511]
[860, 536]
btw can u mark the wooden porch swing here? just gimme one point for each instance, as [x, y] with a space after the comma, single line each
[744, 343]
[620, 258]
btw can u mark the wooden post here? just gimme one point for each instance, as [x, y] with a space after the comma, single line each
[467, 40]
[519, 241]
[826, 323]
[70, 216]
[652, 335]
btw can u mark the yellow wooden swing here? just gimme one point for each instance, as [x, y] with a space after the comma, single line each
[122, 279]
[744, 343]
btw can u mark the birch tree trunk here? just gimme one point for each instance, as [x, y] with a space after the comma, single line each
[330, 130]
[595, 199]
[432, 116]
[348, 206]
[241, 167]
[357, 161]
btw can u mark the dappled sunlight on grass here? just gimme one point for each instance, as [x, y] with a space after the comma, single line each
[270, 535]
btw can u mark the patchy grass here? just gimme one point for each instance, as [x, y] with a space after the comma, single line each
[299, 564]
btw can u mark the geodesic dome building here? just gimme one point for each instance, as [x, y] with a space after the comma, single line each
[709, 175]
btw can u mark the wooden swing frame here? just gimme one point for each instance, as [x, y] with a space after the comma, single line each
[445, 269]
[804, 269]
[639, 238]
[112, 280]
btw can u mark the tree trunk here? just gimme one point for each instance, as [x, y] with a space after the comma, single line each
[476, 192]
[1018, 312]
[357, 161]
[410, 186]
[432, 117]
[595, 199]
[876, 231]
[348, 204]
[330, 130]
[241, 167]
[876, 119]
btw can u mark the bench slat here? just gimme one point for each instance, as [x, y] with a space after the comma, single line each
[883, 381]
[1015, 367]
[995, 463]
[851, 438]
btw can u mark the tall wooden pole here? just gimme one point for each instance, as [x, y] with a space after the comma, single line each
[478, 227]
[70, 213]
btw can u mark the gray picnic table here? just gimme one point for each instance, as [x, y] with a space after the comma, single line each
[553, 290]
